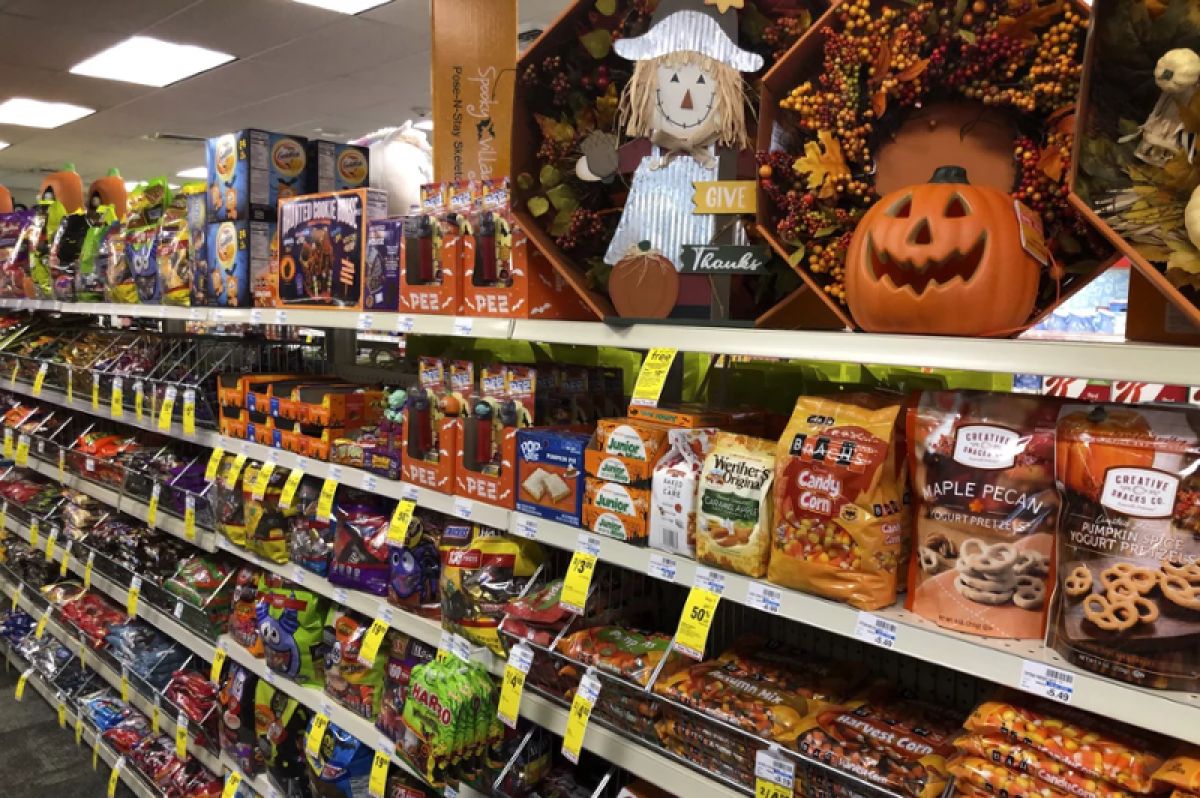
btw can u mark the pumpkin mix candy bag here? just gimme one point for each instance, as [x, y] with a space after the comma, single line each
[986, 511]
[840, 518]
[1129, 551]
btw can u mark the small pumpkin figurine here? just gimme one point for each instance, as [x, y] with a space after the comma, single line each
[643, 284]
[6, 203]
[943, 258]
[66, 187]
[110, 191]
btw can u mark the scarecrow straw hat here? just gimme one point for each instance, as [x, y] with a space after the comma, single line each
[692, 25]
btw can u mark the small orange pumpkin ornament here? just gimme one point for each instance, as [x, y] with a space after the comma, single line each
[66, 187]
[643, 284]
[6, 203]
[942, 258]
[108, 190]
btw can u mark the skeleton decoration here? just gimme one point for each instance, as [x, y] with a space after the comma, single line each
[1163, 134]
[687, 98]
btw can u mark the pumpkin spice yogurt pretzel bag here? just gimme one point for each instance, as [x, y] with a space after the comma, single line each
[982, 469]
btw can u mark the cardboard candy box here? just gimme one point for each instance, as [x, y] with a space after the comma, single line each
[432, 252]
[249, 172]
[550, 474]
[335, 167]
[236, 250]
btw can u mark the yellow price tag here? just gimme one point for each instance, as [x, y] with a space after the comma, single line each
[401, 519]
[40, 631]
[70, 385]
[189, 412]
[316, 733]
[62, 715]
[289, 489]
[21, 682]
[581, 713]
[325, 500]
[4, 516]
[139, 400]
[22, 458]
[214, 464]
[124, 686]
[39, 379]
[50, 540]
[34, 529]
[372, 640]
[95, 391]
[774, 775]
[167, 409]
[83, 659]
[232, 782]
[152, 506]
[214, 673]
[263, 482]
[189, 517]
[79, 730]
[65, 565]
[8, 443]
[114, 778]
[131, 599]
[181, 737]
[691, 636]
[117, 403]
[377, 785]
[769, 789]
[652, 377]
[96, 753]
[16, 368]
[62, 464]
[234, 471]
[578, 581]
[87, 570]
[156, 718]
[511, 689]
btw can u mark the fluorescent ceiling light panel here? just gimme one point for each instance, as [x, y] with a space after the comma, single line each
[39, 113]
[195, 173]
[344, 6]
[150, 62]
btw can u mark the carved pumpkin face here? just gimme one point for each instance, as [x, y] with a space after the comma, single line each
[943, 258]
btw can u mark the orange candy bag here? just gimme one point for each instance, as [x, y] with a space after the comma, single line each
[1042, 767]
[840, 520]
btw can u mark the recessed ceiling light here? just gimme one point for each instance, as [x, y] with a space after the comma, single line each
[344, 6]
[3, 145]
[424, 124]
[150, 62]
[195, 173]
[39, 113]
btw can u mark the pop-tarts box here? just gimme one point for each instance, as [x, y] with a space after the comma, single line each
[236, 250]
[550, 481]
[250, 171]
[381, 282]
[335, 167]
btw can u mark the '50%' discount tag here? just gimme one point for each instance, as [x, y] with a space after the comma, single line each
[691, 636]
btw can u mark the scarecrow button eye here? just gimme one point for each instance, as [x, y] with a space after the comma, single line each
[700, 81]
[901, 209]
[675, 78]
[957, 208]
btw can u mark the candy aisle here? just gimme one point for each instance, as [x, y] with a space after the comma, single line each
[789, 399]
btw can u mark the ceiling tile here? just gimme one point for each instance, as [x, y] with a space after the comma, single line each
[128, 16]
[243, 28]
[57, 44]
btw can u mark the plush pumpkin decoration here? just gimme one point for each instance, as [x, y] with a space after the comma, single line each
[643, 284]
[1089, 443]
[6, 203]
[109, 190]
[943, 257]
[66, 187]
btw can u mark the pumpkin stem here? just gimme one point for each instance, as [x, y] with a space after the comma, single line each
[949, 174]
[114, 172]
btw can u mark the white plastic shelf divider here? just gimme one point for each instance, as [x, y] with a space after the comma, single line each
[1001, 661]
[469, 509]
[129, 775]
[168, 523]
[144, 704]
[1152, 363]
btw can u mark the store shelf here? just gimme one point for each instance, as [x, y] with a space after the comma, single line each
[999, 661]
[129, 776]
[261, 784]
[172, 525]
[143, 703]
[1127, 361]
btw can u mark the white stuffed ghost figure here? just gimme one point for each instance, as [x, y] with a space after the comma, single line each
[401, 162]
[1177, 75]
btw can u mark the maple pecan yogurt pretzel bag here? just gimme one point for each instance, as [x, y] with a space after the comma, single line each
[1128, 601]
[982, 469]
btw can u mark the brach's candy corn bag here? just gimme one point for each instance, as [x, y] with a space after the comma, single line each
[994, 778]
[1097, 746]
[291, 623]
[733, 519]
[1129, 547]
[986, 512]
[840, 519]
[1046, 772]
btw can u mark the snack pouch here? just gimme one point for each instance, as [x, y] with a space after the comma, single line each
[47, 215]
[141, 252]
[415, 567]
[673, 490]
[361, 559]
[986, 513]
[1129, 552]
[1123, 755]
[995, 779]
[229, 510]
[341, 768]
[628, 653]
[478, 580]
[403, 654]
[1181, 771]
[173, 259]
[356, 686]
[65, 250]
[291, 623]
[839, 500]
[243, 623]
[266, 527]
[279, 723]
[14, 253]
[429, 723]
[1027, 760]
[236, 700]
[733, 520]
[112, 262]
[94, 255]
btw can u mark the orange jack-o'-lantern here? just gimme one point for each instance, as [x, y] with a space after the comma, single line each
[1091, 442]
[944, 257]
[66, 187]
[6, 203]
[108, 190]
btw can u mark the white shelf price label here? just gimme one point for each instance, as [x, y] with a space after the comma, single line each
[365, 321]
[662, 567]
[710, 579]
[411, 492]
[1047, 681]
[581, 713]
[463, 325]
[404, 324]
[872, 629]
[526, 527]
[774, 775]
[256, 316]
[763, 597]
[281, 317]
[463, 508]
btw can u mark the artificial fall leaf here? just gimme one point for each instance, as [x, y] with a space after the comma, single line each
[606, 107]
[1184, 262]
[913, 72]
[879, 101]
[598, 43]
[883, 60]
[555, 130]
[1051, 163]
[824, 164]
[1025, 26]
